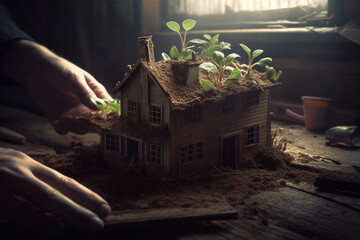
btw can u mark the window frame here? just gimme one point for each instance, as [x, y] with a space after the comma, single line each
[151, 114]
[198, 153]
[109, 143]
[252, 103]
[254, 137]
[134, 113]
[150, 151]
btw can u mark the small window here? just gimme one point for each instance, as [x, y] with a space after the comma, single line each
[252, 135]
[193, 115]
[155, 114]
[252, 99]
[191, 152]
[112, 143]
[155, 154]
[132, 109]
[228, 106]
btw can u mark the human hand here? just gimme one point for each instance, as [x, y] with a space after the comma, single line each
[41, 199]
[61, 89]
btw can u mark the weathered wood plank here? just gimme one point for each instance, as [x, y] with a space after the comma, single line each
[167, 217]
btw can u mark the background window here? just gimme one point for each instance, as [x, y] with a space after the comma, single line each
[155, 154]
[191, 152]
[252, 135]
[155, 114]
[112, 142]
[205, 7]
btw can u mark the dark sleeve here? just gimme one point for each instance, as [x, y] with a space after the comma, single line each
[8, 29]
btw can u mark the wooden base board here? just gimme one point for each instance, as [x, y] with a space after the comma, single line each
[167, 217]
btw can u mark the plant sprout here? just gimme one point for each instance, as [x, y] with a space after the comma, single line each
[107, 106]
[210, 44]
[186, 52]
[271, 73]
[252, 56]
[221, 64]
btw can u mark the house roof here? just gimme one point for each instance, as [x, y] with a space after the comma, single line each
[126, 126]
[182, 96]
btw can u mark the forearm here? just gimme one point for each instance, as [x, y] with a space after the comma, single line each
[23, 58]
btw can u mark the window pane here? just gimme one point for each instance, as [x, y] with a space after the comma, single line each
[205, 7]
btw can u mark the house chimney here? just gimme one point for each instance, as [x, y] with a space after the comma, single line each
[146, 48]
[185, 72]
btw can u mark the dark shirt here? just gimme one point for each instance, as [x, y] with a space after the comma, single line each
[8, 29]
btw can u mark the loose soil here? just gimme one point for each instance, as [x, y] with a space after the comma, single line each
[268, 171]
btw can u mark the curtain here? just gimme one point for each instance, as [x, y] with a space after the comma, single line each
[206, 7]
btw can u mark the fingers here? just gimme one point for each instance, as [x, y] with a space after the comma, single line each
[22, 213]
[98, 88]
[74, 190]
[52, 201]
[76, 82]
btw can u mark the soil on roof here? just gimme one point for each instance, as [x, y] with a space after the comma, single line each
[183, 96]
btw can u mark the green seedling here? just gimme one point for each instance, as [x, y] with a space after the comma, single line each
[210, 44]
[271, 73]
[221, 64]
[107, 106]
[262, 62]
[186, 51]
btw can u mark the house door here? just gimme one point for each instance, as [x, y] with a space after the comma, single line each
[230, 150]
[132, 150]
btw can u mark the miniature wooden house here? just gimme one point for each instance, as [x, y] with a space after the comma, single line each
[170, 126]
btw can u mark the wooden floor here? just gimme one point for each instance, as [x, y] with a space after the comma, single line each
[294, 212]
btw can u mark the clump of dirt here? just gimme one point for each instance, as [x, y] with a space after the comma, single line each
[273, 158]
[220, 186]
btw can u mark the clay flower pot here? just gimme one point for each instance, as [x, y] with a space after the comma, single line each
[316, 111]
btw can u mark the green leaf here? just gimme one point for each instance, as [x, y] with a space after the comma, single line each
[270, 72]
[246, 49]
[264, 61]
[115, 106]
[173, 26]
[210, 67]
[165, 56]
[187, 54]
[198, 41]
[174, 53]
[278, 75]
[228, 68]
[207, 36]
[188, 24]
[230, 81]
[99, 103]
[218, 58]
[214, 39]
[207, 85]
[235, 74]
[257, 53]
[230, 58]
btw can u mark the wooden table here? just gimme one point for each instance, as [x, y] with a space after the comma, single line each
[296, 211]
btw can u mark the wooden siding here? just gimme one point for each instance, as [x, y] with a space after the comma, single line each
[144, 90]
[213, 126]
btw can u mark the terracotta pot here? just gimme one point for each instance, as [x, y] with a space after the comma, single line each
[316, 111]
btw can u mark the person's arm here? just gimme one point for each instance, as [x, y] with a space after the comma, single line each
[61, 89]
[31, 194]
